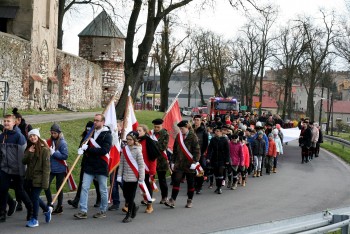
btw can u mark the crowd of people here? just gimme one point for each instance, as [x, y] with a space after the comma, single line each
[227, 149]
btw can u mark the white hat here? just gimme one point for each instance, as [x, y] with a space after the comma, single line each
[34, 131]
[275, 131]
[258, 124]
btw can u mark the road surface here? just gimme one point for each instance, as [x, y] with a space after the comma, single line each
[297, 189]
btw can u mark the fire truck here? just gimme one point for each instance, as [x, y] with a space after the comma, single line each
[220, 106]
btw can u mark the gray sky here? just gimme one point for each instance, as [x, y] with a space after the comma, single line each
[223, 19]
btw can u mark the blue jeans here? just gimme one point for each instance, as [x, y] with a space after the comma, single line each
[115, 191]
[84, 195]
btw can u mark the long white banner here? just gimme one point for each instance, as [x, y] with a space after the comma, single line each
[290, 134]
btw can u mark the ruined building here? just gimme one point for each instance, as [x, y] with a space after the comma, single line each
[41, 76]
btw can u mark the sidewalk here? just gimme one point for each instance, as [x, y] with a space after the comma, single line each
[47, 118]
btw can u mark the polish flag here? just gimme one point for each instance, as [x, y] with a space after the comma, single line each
[111, 122]
[171, 119]
[130, 121]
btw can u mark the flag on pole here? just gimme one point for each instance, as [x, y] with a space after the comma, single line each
[130, 121]
[171, 119]
[111, 122]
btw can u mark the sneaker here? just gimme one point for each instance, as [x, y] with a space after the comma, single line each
[81, 215]
[58, 210]
[210, 186]
[12, 208]
[220, 191]
[48, 215]
[199, 191]
[32, 223]
[73, 203]
[170, 203]
[100, 214]
[113, 207]
[97, 204]
[189, 203]
[163, 200]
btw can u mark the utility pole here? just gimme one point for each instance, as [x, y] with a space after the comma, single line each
[189, 80]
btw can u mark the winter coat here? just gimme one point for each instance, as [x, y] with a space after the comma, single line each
[12, 146]
[305, 137]
[95, 163]
[218, 152]
[272, 148]
[279, 145]
[236, 154]
[259, 147]
[162, 144]
[202, 136]
[246, 155]
[125, 170]
[38, 170]
[315, 135]
[181, 163]
[60, 154]
[151, 163]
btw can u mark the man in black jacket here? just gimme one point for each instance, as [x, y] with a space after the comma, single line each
[203, 141]
[96, 166]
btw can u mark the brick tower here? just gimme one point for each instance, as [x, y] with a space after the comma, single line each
[103, 43]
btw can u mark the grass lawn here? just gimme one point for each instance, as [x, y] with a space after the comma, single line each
[73, 129]
[338, 150]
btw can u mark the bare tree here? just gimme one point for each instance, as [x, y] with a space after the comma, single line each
[169, 57]
[66, 5]
[317, 51]
[290, 47]
[266, 19]
[246, 56]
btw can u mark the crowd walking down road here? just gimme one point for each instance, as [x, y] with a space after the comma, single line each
[217, 170]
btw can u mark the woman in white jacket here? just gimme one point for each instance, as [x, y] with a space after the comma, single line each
[279, 147]
[132, 172]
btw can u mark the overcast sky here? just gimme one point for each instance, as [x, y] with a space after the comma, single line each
[222, 19]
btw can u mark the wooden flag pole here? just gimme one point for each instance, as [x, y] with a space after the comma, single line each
[77, 159]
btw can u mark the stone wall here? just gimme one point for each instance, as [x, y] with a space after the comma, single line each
[76, 83]
[14, 68]
[80, 82]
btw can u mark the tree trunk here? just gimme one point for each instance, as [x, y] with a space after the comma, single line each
[285, 99]
[61, 12]
[310, 99]
[164, 92]
[200, 86]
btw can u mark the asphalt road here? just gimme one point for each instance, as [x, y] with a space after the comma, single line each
[297, 189]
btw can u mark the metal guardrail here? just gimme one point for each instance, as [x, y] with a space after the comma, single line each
[328, 220]
[338, 140]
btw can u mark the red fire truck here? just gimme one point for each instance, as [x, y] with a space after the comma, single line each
[220, 106]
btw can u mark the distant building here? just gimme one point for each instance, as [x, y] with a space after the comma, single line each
[341, 110]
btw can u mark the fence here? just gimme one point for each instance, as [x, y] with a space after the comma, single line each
[333, 139]
[323, 222]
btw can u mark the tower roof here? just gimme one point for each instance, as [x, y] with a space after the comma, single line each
[102, 26]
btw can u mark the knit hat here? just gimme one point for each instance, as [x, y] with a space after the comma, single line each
[270, 135]
[260, 133]
[55, 128]
[275, 131]
[34, 131]
[134, 135]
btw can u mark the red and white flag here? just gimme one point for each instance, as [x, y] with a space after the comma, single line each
[130, 121]
[171, 119]
[111, 122]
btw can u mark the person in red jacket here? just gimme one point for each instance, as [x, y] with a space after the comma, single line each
[271, 154]
[246, 159]
[237, 160]
[150, 159]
